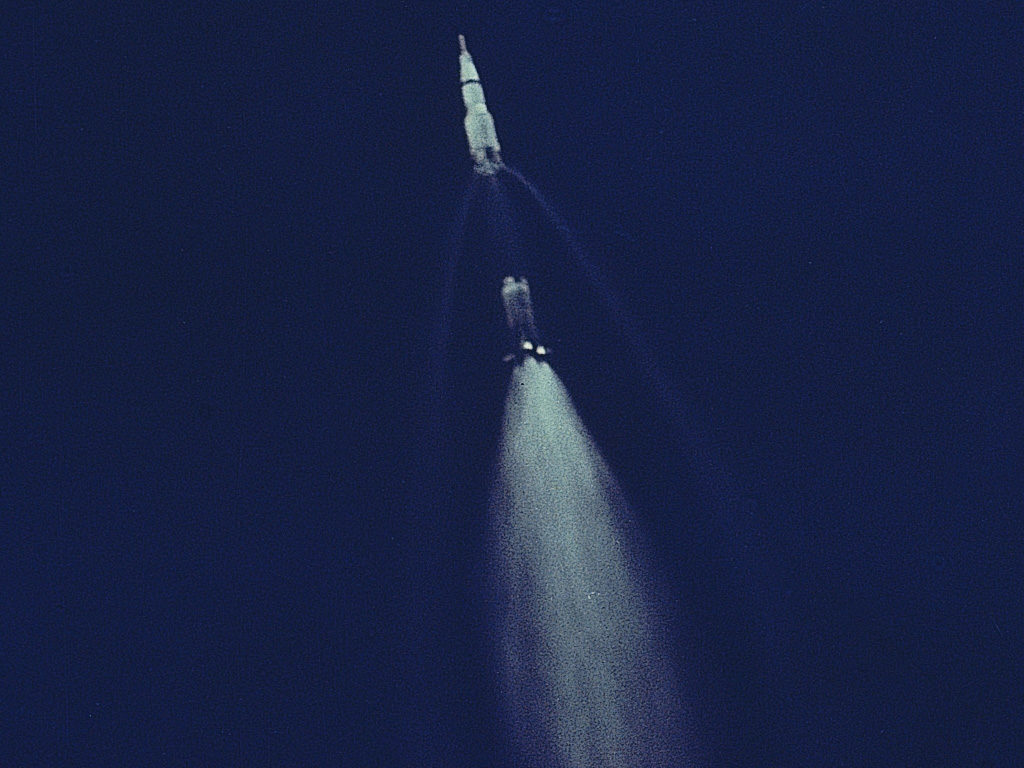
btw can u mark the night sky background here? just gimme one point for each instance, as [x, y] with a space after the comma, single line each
[239, 524]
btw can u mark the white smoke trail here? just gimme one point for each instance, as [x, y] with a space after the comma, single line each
[587, 679]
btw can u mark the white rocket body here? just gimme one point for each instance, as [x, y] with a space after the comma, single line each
[480, 133]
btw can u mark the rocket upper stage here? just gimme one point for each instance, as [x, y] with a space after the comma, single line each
[480, 133]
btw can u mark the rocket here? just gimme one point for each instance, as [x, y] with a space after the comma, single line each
[515, 295]
[480, 133]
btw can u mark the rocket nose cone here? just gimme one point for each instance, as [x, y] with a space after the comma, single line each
[462, 44]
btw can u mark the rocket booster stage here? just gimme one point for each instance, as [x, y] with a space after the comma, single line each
[480, 133]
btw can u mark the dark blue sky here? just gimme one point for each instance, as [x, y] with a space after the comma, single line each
[224, 230]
